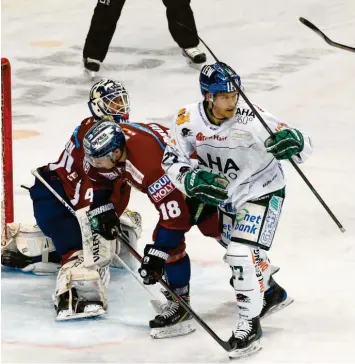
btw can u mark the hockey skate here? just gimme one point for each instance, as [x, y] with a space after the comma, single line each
[246, 338]
[78, 309]
[173, 321]
[91, 67]
[275, 299]
[194, 56]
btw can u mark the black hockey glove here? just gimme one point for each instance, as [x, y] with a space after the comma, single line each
[104, 221]
[153, 263]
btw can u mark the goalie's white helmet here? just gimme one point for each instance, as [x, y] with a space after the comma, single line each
[109, 100]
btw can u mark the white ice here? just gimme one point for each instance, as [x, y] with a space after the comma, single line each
[288, 70]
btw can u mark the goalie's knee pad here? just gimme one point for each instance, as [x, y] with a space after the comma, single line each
[28, 249]
[247, 280]
[89, 284]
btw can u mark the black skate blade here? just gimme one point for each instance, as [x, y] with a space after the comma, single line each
[253, 349]
[279, 307]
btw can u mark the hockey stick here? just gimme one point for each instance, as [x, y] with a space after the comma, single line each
[311, 26]
[155, 302]
[225, 344]
[340, 226]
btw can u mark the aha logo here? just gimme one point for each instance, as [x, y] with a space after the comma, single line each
[161, 188]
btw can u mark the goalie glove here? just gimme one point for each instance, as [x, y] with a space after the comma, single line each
[153, 264]
[285, 143]
[104, 221]
[210, 188]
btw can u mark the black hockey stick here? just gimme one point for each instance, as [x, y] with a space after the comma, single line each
[310, 25]
[155, 302]
[340, 226]
[225, 344]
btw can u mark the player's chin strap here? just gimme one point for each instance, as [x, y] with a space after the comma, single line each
[155, 302]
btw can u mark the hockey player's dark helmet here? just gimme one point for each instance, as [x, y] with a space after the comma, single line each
[213, 79]
[102, 139]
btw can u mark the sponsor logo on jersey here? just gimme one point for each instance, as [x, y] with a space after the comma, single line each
[160, 131]
[249, 221]
[262, 264]
[135, 173]
[271, 221]
[186, 132]
[110, 175]
[228, 167]
[182, 172]
[269, 181]
[242, 298]
[244, 115]
[183, 117]
[161, 188]
[241, 135]
[201, 138]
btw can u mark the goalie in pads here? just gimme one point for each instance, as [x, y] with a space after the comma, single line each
[85, 242]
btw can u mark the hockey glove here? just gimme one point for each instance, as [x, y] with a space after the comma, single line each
[104, 221]
[207, 187]
[153, 263]
[285, 143]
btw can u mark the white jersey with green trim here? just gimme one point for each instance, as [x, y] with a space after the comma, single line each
[235, 150]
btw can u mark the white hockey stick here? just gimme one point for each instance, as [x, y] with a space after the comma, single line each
[155, 302]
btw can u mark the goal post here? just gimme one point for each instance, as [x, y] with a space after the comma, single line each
[7, 196]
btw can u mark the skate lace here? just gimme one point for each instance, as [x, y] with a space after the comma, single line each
[192, 52]
[170, 309]
[243, 329]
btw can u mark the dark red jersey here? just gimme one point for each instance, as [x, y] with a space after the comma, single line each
[145, 149]
[79, 179]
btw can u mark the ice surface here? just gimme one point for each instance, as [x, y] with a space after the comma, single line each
[288, 70]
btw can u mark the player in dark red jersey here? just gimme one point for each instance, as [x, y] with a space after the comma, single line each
[141, 156]
[86, 241]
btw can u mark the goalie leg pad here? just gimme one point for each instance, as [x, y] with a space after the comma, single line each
[97, 250]
[80, 291]
[131, 226]
[28, 249]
